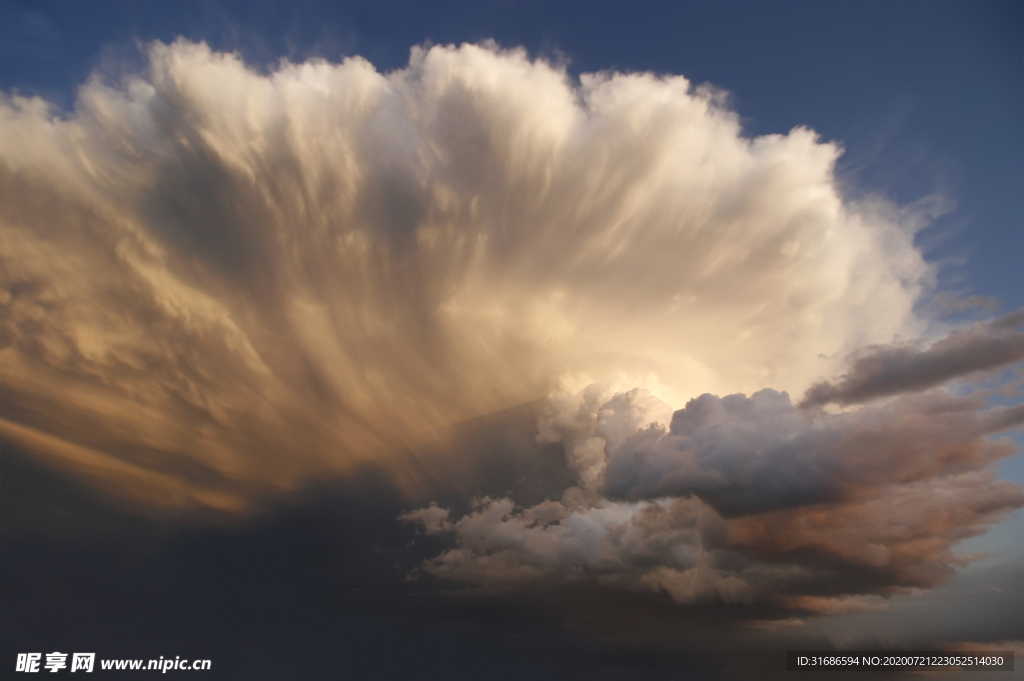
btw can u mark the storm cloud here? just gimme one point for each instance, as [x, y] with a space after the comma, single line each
[218, 282]
[753, 454]
[751, 500]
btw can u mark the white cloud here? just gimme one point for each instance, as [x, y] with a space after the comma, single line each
[239, 280]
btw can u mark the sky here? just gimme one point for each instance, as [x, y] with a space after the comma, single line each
[605, 340]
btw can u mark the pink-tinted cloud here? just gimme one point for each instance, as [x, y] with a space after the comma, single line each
[752, 500]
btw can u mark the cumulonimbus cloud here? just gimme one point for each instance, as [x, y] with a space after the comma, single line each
[745, 455]
[222, 281]
[752, 499]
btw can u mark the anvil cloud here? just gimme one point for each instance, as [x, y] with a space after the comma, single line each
[218, 282]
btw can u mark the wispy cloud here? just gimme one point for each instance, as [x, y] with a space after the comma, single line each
[883, 371]
[238, 280]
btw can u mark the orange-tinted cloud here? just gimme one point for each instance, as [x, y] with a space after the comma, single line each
[241, 280]
[751, 500]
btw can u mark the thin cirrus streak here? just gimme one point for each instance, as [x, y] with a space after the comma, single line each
[217, 283]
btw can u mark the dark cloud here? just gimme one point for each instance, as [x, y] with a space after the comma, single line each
[746, 455]
[818, 559]
[316, 586]
[883, 371]
[744, 500]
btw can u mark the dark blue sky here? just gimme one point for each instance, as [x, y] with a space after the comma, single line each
[925, 97]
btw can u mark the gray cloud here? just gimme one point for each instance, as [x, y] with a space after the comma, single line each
[754, 454]
[883, 371]
[820, 559]
[750, 500]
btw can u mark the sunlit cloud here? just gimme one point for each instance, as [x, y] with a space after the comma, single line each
[228, 281]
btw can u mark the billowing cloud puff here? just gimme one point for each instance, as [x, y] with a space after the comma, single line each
[747, 455]
[820, 558]
[750, 500]
[220, 281]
